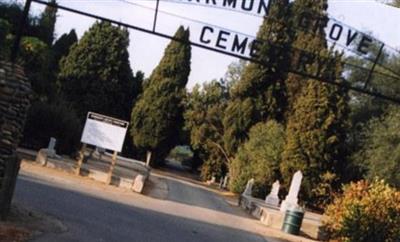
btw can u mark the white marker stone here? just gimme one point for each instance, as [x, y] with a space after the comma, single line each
[291, 199]
[272, 198]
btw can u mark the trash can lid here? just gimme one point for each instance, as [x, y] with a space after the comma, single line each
[296, 209]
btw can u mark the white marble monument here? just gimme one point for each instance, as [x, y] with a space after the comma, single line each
[249, 188]
[291, 199]
[272, 198]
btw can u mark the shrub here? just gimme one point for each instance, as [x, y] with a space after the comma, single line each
[258, 158]
[364, 213]
[52, 120]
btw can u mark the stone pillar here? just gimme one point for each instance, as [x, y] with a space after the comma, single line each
[15, 92]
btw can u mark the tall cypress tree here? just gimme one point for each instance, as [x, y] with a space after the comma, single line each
[157, 118]
[62, 46]
[47, 24]
[96, 75]
[317, 124]
[307, 37]
[260, 93]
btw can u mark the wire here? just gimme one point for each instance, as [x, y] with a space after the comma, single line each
[308, 75]
[251, 36]
[247, 35]
[258, 16]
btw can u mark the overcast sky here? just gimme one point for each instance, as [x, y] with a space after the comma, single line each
[146, 50]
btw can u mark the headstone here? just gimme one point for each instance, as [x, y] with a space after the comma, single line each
[51, 152]
[52, 143]
[148, 158]
[221, 182]
[226, 178]
[249, 188]
[213, 180]
[291, 199]
[272, 198]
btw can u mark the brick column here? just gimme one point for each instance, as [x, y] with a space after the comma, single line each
[15, 93]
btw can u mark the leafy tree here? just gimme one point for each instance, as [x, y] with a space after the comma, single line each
[259, 95]
[96, 75]
[395, 3]
[203, 118]
[47, 24]
[34, 55]
[365, 108]
[157, 117]
[259, 158]
[316, 128]
[380, 149]
[233, 74]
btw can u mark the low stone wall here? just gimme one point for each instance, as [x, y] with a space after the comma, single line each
[15, 91]
[273, 218]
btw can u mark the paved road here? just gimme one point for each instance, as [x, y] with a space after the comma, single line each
[94, 212]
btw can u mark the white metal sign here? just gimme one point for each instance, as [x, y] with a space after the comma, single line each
[105, 132]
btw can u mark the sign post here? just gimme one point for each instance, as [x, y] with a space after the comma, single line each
[105, 132]
[80, 161]
[110, 172]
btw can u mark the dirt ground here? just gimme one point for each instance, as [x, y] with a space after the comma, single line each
[24, 224]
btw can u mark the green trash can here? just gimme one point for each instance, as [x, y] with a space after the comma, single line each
[292, 221]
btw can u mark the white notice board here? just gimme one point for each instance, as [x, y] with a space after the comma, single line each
[105, 132]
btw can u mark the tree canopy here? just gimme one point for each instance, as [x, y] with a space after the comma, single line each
[259, 95]
[96, 75]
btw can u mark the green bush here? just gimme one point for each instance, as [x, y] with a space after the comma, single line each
[52, 120]
[365, 213]
[258, 158]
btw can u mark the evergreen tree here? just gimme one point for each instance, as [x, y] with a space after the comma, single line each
[47, 24]
[96, 75]
[260, 93]
[316, 128]
[157, 117]
[305, 37]
[62, 46]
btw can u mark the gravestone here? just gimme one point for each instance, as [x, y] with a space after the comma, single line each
[148, 158]
[213, 179]
[249, 188]
[272, 198]
[226, 178]
[51, 152]
[291, 199]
